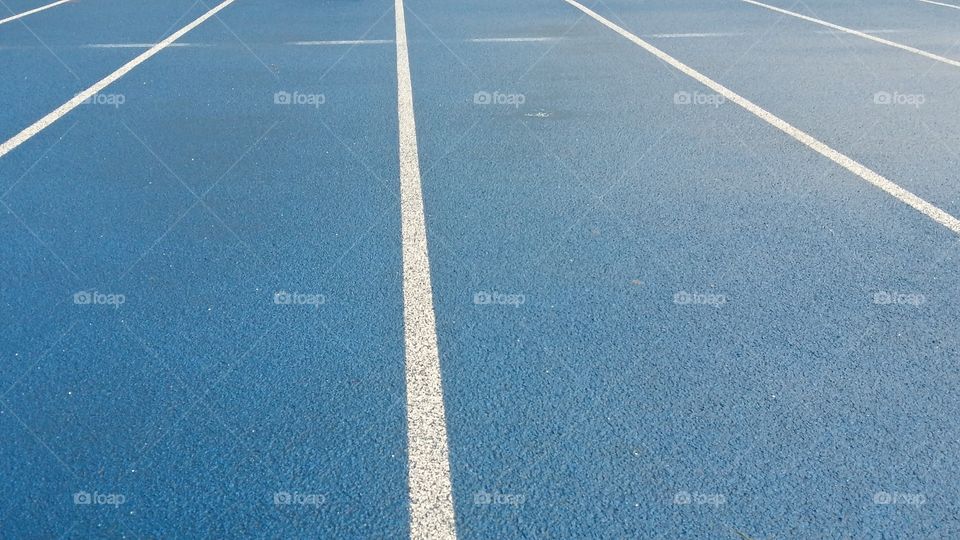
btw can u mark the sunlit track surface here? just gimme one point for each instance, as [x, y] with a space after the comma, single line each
[540, 269]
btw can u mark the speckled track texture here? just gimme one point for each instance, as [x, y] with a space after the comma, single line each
[564, 272]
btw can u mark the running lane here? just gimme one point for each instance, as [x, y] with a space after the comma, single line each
[202, 305]
[18, 9]
[890, 109]
[661, 317]
[912, 22]
[50, 56]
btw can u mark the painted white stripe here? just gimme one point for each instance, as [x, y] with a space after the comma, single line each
[698, 35]
[429, 484]
[512, 40]
[343, 42]
[32, 11]
[139, 45]
[62, 110]
[858, 33]
[106, 46]
[940, 4]
[899, 193]
[873, 32]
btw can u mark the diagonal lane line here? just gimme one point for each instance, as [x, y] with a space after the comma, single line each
[62, 110]
[858, 33]
[180, 18]
[32, 11]
[44, 44]
[429, 484]
[921, 205]
[755, 43]
[927, 2]
[955, 43]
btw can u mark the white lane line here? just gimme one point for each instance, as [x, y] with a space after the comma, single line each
[899, 193]
[698, 35]
[107, 46]
[428, 461]
[62, 110]
[512, 40]
[139, 45]
[872, 32]
[343, 42]
[940, 4]
[32, 11]
[858, 33]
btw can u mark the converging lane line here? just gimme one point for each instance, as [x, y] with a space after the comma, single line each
[428, 461]
[78, 99]
[940, 4]
[901, 194]
[858, 33]
[343, 42]
[697, 35]
[32, 11]
[139, 45]
[513, 40]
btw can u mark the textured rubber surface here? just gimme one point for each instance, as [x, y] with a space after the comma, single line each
[658, 316]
